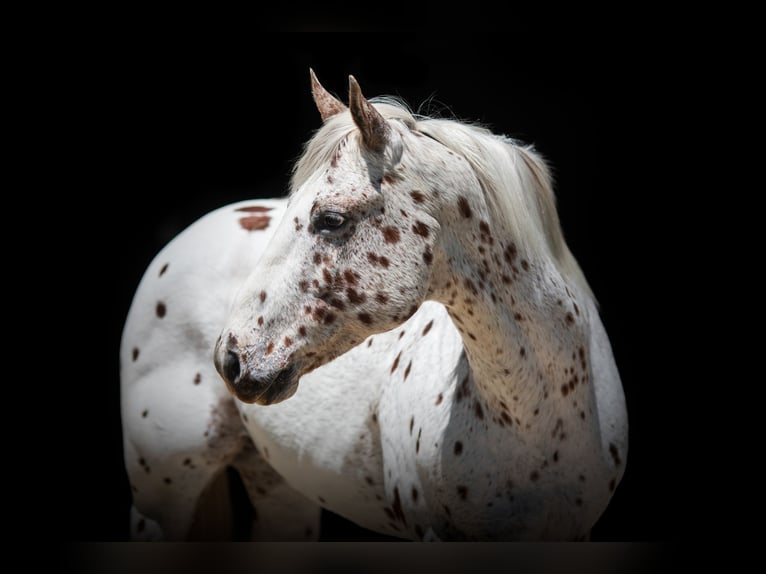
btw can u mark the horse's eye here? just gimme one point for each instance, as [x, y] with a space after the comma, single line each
[329, 221]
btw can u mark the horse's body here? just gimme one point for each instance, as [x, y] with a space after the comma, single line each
[455, 379]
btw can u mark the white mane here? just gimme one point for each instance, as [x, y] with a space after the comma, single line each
[515, 179]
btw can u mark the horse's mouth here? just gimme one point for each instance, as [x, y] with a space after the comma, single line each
[277, 388]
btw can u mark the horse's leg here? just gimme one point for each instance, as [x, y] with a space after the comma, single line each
[281, 513]
[179, 436]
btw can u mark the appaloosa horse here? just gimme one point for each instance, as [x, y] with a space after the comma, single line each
[406, 341]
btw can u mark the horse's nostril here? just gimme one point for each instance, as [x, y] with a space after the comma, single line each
[231, 366]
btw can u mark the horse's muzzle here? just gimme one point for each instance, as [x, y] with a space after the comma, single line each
[265, 389]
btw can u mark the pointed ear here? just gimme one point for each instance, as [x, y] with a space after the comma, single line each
[327, 104]
[374, 128]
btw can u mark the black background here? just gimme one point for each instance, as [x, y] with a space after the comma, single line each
[173, 132]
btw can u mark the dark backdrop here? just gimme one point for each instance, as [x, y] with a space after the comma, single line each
[175, 132]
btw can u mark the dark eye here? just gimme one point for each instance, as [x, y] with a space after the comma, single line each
[329, 221]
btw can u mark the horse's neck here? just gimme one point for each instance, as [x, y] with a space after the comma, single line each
[523, 327]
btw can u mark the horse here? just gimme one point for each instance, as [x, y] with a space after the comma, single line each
[405, 340]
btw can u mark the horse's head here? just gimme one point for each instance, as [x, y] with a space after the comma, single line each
[353, 255]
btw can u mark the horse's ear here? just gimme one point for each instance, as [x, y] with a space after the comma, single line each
[374, 128]
[327, 104]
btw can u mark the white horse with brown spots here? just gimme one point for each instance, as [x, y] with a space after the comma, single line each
[407, 341]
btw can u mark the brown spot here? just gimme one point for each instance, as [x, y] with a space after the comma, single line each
[612, 484]
[329, 317]
[381, 298]
[369, 480]
[518, 316]
[577, 309]
[534, 476]
[510, 253]
[458, 447]
[262, 296]
[412, 423]
[298, 224]
[337, 303]
[288, 341]
[378, 260]
[167, 480]
[163, 269]
[465, 209]
[417, 197]
[615, 454]
[507, 418]
[365, 318]
[420, 228]
[463, 390]
[570, 318]
[354, 297]
[317, 258]
[407, 370]
[197, 379]
[369, 342]
[415, 495]
[428, 257]
[478, 410]
[254, 209]
[254, 222]
[161, 310]
[397, 507]
[525, 265]
[396, 362]
[321, 499]
[428, 327]
[462, 492]
[439, 399]
[390, 234]
[484, 227]
[269, 348]
[556, 456]
[260, 321]
[302, 331]
[145, 413]
[351, 277]
[135, 353]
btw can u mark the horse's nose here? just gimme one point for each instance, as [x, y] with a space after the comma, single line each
[231, 367]
[263, 387]
[226, 359]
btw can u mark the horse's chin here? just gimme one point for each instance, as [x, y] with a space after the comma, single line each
[283, 386]
[276, 392]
